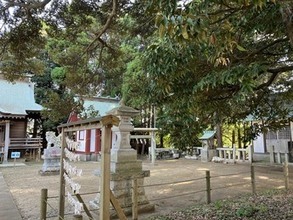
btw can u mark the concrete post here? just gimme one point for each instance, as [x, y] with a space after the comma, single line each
[272, 157]
[43, 206]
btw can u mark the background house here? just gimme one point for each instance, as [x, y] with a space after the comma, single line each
[274, 142]
[17, 108]
[90, 140]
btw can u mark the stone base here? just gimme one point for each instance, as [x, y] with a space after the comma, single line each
[121, 185]
[126, 167]
[207, 155]
[123, 155]
[90, 157]
[142, 208]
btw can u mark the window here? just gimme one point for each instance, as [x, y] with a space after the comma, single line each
[283, 133]
[81, 135]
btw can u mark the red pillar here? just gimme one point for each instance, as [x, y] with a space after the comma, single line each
[87, 142]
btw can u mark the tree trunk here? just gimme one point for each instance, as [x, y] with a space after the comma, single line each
[239, 137]
[219, 135]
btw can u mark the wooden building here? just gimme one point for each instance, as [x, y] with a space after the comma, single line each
[90, 139]
[18, 111]
[276, 143]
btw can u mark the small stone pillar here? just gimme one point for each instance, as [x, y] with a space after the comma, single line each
[51, 155]
[124, 164]
[208, 149]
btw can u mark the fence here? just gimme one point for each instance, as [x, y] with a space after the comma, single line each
[48, 203]
[32, 145]
[208, 185]
[233, 154]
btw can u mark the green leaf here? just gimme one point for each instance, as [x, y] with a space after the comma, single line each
[240, 48]
[161, 30]
[184, 32]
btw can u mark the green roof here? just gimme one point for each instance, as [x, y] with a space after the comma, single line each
[207, 135]
[101, 104]
[17, 99]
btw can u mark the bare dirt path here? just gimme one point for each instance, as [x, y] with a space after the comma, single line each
[25, 184]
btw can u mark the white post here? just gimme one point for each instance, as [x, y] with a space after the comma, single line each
[291, 130]
[7, 140]
[221, 153]
[250, 154]
[279, 160]
[234, 153]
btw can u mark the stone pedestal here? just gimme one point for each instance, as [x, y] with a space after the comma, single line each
[51, 155]
[208, 154]
[124, 165]
[51, 163]
[121, 186]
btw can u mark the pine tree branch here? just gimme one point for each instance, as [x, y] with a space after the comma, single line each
[275, 73]
[27, 5]
[92, 46]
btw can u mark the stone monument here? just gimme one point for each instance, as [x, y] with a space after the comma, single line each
[124, 164]
[51, 154]
[208, 147]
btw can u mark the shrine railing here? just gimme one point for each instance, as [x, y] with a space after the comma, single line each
[228, 153]
[25, 143]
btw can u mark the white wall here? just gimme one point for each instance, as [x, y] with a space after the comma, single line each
[279, 145]
[93, 140]
[258, 144]
[82, 141]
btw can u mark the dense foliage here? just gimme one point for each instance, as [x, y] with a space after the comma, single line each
[188, 65]
[233, 58]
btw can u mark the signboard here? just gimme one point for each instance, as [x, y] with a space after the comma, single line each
[15, 154]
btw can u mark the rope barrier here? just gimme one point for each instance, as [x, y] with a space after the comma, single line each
[51, 206]
[172, 183]
[86, 193]
[52, 197]
[175, 196]
[89, 193]
[232, 174]
[236, 184]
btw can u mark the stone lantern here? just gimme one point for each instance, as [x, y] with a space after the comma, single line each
[124, 163]
[123, 157]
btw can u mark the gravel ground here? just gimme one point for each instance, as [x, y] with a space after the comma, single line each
[173, 184]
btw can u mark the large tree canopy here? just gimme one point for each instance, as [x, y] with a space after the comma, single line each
[81, 40]
[228, 57]
[200, 62]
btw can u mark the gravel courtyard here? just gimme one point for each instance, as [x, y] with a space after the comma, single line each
[178, 183]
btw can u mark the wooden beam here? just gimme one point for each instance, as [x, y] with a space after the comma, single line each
[105, 170]
[107, 121]
[82, 127]
[117, 207]
[140, 136]
[84, 206]
[62, 181]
